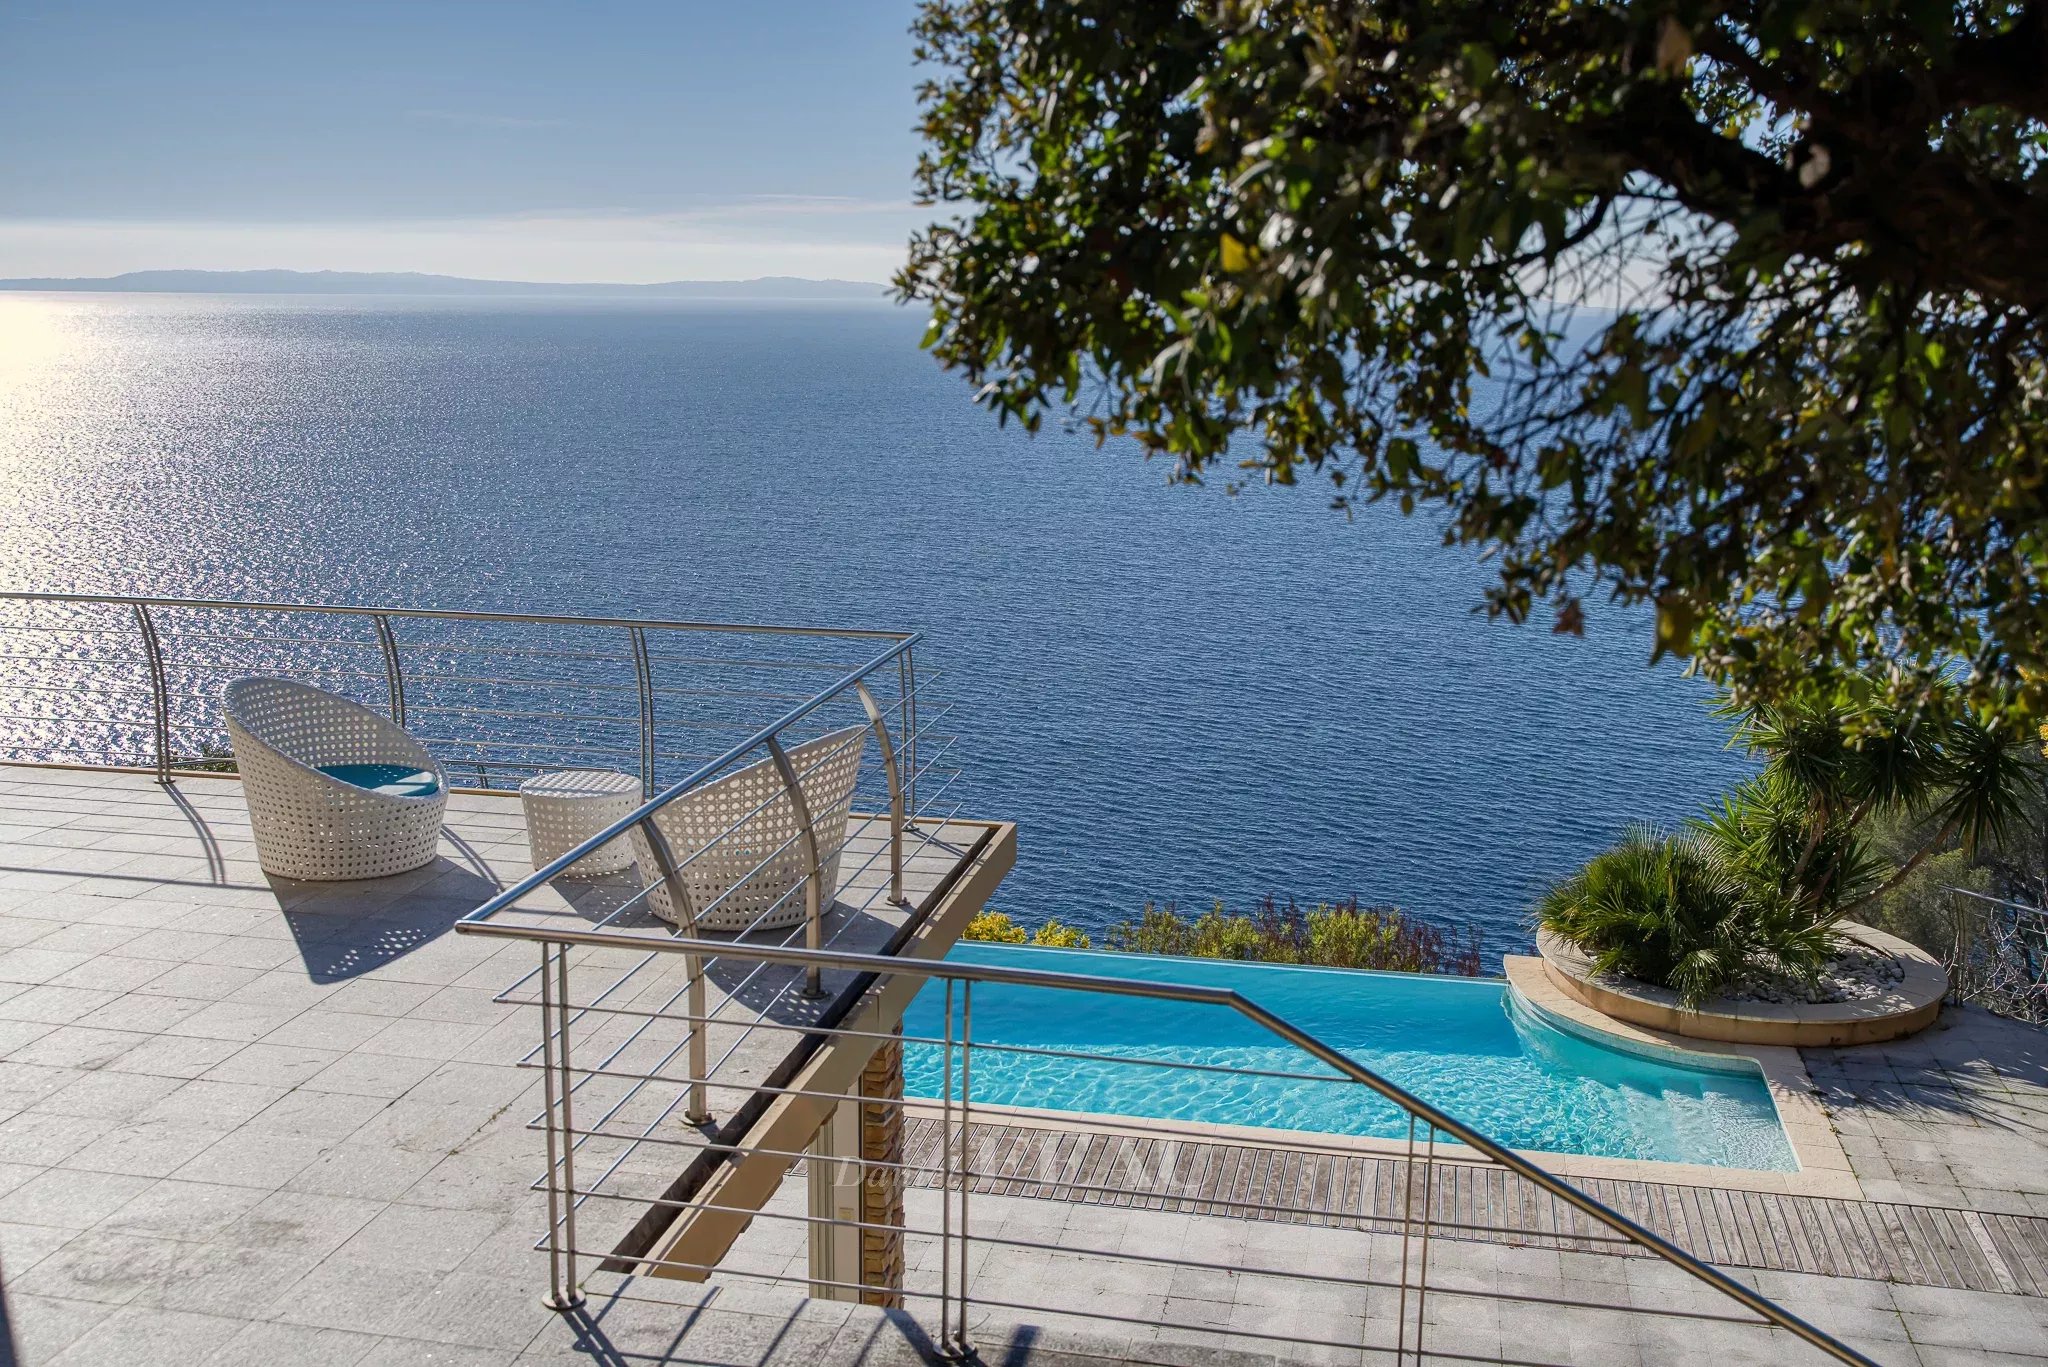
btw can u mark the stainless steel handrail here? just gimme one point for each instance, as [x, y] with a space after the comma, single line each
[455, 615]
[396, 669]
[480, 922]
[2005, 902]
[839, 689]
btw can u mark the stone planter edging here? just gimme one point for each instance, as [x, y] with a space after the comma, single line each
[1911, 1005]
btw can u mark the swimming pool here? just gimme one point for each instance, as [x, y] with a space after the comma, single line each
[1469, 1046]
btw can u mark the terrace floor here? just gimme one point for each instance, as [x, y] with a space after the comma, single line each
[245, 1121]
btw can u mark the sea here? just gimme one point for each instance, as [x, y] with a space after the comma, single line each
[1180, 694]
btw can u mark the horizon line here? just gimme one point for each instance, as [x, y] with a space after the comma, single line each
[330, 272]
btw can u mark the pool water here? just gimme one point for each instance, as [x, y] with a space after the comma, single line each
[1468, 1046]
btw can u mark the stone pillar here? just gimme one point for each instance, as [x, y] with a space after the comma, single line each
[881, 1188]
[851, 1186]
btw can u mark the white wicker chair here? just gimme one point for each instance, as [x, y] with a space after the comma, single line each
[335, 791]
[762, 858]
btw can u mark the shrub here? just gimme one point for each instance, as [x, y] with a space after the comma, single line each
[996, 926]
[1055, 935]
[1677, 910]
[1346, 935]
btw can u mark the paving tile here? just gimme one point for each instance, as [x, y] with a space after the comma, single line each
[462, 1006]
[398, 1352]
[35, 964]
[246, 1022]
[101, 1265]
[228, 1278]
[25, 1084]
[286, 986]
[16, 931]
[330, 1116]
[112, 973]
[302, 1223]
[71, 1200]
[275, 1345]
[373, 996]
[259, 952]
[320, 1028]
[424, 1039]
[79, 1047]
[175, 1055]
[482, 1312]
[87, 938]
[272, 1065]
[185, 1211]
[146, 1014]
[143, 1150]
[366, 1298]
[46, 1325]
[17, 1034]
[53, 1005]
[109, 1096]
[161, 1338]
[436, 1240]
[203, 982]
[378, 1075]
[379, 1172]
[204, 1104]
[23, 1246]
[251, 1159]
[41, 1137]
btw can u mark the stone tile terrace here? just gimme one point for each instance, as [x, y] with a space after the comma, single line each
[253, 1123]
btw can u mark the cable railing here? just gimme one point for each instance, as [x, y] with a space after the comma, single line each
[683, 1076]
[1998, 957]
[669, 1119]
[497, 697]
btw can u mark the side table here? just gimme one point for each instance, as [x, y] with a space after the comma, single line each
[566, 808]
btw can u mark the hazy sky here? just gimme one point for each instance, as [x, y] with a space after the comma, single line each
[565, 140]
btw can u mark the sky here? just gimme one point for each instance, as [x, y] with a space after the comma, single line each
[614, 140]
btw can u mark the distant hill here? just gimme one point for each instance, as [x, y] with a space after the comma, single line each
[412, 282]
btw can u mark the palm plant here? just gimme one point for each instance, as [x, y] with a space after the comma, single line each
[1660, 907]
[1834, 767]
[1756, 886]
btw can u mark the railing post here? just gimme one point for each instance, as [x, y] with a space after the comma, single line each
[907, 680]
[962, 1345]
[561, 1140]
[153, 651]
[394, 677]
[699, 1110]
[889, 767]
[643, 672]
[814, 889]
[946, 1176]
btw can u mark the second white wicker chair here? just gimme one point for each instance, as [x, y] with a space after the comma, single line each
[335, 791]
[748, 845]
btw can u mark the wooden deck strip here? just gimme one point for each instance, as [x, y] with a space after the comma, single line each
[1918, 1245]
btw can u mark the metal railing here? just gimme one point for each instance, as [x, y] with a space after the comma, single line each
[110, 679]
[1999, 954]
[620, 1060]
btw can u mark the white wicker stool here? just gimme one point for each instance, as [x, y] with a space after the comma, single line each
[565, 809]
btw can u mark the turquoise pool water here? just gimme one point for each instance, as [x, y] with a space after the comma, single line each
[1466, 1045]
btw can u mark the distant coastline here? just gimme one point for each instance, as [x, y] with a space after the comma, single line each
[413, 282]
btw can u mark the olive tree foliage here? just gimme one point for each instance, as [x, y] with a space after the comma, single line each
[1736, 309]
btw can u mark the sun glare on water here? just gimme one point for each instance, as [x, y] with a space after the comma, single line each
[45, 362]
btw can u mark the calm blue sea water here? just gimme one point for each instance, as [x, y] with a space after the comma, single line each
[1467, 1047]
[1178, 694]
